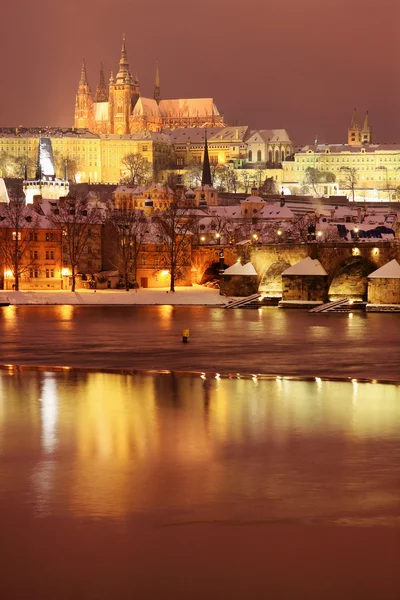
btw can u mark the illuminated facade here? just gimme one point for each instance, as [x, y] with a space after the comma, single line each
[377, 165]
[121, 109]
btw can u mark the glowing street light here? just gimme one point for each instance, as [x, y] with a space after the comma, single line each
[218, 236]
[279, 234]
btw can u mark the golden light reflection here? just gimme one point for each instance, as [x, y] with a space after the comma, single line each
[9, 314]
[66, 316]
[112, 445]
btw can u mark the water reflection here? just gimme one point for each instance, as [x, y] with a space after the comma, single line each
[97, 444]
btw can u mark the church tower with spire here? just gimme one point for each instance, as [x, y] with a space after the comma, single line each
[354, 131]
[157, 89]
[124, 93]
[84, 103]
[366, 133]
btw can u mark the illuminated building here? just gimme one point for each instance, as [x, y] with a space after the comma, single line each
[377, 165]
[122, 110]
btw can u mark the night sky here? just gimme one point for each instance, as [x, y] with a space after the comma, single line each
[298, 64]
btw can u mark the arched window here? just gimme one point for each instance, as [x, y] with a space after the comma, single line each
[258, 155]
[283, 155]
[250, 155]
[276, 156]
[270, 156]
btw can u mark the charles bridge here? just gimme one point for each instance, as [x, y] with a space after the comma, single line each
[347, 263]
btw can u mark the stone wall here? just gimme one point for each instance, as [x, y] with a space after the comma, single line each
[305, 287]
[383, 291]
[238, 285]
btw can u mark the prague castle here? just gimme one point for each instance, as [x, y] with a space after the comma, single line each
[121, 109]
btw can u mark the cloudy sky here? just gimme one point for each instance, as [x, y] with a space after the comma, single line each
[299, 64]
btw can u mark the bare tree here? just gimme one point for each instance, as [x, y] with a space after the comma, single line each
[303, 229]
[174, 227]
[193, 175]
[349, 180]
[314, 177]
[75, 218]
[129, 229]
[65, 165]
[136, 170]
[18, 228]
[245, 181]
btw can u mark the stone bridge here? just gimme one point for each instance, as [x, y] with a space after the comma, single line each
[347, 263]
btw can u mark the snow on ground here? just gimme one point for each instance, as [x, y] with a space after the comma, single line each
[196, 295]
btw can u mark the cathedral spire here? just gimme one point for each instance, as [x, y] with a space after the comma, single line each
[366, 131]
[206, 176]
[354, 121]
[157, 89]
[83, 80]
[123, 75]
[101, 90]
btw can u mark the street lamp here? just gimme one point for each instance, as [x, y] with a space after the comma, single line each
[218, 236]
[279, 234]
[356, 233]
[203, 239]
[255, 237]
[319, 234]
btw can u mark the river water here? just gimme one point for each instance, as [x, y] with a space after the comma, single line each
[268, 340]
[178, 485]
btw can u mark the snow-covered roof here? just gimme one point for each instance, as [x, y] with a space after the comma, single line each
[230, 134]
[239, 269]
[256, 199]
[193, 135]
[307, 266]
[100, 111]
[269, 136]
[188, 107]
[146, 107]
[389, 271]
[276, 211]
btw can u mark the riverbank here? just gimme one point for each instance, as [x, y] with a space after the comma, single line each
[197, 295]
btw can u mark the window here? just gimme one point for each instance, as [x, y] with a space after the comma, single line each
[258, 155]
[33, 236]
[143, 260]
[50, 237]
[16, 235]
[250, 156]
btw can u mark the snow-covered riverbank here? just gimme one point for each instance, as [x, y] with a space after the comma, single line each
[184, 296]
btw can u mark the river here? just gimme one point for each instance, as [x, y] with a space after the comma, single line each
[132, 483]
[268, 340]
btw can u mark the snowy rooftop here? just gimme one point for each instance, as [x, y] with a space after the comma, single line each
[253, 199]
[188, 107]
[239, 269]
[389, 271]
[276, 211]
[270, 135]
[307, 266]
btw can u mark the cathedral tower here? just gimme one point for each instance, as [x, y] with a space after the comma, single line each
[124, 93]
[84, 103]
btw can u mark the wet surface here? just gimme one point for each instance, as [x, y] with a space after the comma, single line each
[150, 486]
[268, 340]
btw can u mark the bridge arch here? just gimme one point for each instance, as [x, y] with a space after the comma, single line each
[271, 282]
[350, 279]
